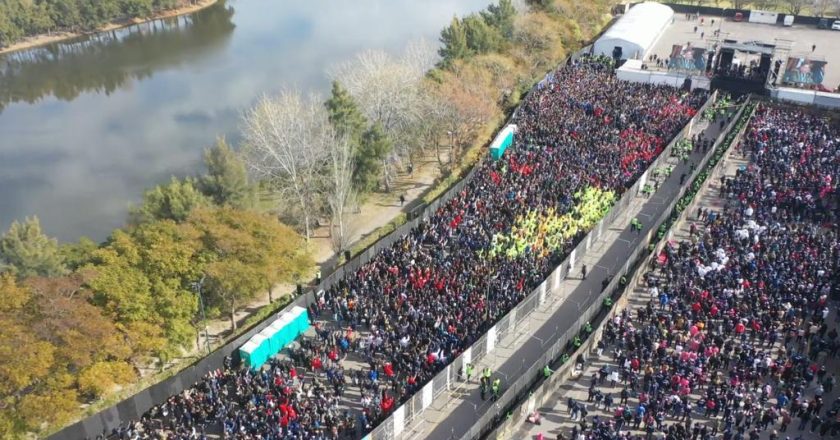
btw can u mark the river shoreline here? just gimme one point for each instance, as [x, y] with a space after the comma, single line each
[43, 39]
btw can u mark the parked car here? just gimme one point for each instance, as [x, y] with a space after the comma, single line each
[836, 25]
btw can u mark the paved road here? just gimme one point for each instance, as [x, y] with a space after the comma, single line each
[461, 416]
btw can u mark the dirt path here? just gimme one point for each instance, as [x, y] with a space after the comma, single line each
[40, 40]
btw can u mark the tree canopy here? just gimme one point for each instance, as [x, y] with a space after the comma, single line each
[226, 181]
[23, 18]
[172, 201]
[26, 251]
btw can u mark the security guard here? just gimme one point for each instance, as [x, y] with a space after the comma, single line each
[470, 370]
[587, 327]
[547, 371]
[497, 385]
[577, 341]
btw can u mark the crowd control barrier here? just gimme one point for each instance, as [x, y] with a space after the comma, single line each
[394, 426]
[132, 408]
[528, 393]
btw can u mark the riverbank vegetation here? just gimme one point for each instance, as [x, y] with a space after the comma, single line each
[20, 19]
[82, 320]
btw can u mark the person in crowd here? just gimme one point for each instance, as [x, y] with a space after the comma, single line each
[736, 334]
[415, 306]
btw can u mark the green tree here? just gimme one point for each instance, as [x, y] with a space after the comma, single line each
[145, 276]
[454, 43]
[26, 251]
[226, 180]
[64, 13]
[136, 8]
[172, 201]
[375, 146]
[246, 252]
[501, 17]
[481, 37]
[78, 254]
[344, 113]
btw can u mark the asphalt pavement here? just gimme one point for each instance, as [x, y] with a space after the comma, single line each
[460, 417]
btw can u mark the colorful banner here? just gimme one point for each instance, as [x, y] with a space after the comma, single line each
[687, 58]
[802, 71]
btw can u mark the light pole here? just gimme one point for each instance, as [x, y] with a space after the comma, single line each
[197, 287]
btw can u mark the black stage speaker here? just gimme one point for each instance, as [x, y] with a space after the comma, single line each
[709, 62]
[764, 65]
[687, 85]
[618, 52]
[726, 56]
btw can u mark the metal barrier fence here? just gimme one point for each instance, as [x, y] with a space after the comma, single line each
[525, 385]
[134, 407]
[515, 317]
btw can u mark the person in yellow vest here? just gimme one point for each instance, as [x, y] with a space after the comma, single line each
[469, 370]
[547, 371]
[497, 387]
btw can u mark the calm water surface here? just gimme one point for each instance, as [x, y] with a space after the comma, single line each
[86, 125]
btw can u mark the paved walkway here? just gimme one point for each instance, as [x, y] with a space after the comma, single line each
[555, 417]
[453, 413]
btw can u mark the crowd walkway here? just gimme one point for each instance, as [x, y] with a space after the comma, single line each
[451, 415]
[593, 389]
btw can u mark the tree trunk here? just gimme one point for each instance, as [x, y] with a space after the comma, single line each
[233, 318]
[197, 339]
[270, 298]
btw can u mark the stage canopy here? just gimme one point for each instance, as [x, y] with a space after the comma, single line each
[636, 32]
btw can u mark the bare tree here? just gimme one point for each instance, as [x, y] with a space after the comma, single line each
[388, 92]
[338, 188]
[821, 7]
[285, 139]
[794, 6]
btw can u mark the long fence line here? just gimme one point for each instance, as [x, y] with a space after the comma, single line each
[502, 422]
[394, 425]
[134, 407]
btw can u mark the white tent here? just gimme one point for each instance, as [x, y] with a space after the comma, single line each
[636, 32]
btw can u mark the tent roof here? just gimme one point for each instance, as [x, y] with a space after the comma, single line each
[641, 25]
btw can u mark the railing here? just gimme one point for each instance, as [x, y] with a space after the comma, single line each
[134, 407]
[404, 415]
[524, 396]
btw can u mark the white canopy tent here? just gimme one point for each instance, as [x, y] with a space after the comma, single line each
[636, 32]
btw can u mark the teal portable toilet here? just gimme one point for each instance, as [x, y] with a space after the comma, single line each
[270, 341]
[287, 331]
[262, 350]
[248, 353]
[303, 321]
[502, 141]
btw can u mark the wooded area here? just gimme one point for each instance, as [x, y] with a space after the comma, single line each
[25, 18]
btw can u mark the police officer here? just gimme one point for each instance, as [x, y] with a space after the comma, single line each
[547, 371]
[470, 370]
[497, 386]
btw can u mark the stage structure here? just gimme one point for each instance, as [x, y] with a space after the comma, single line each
[748, 66]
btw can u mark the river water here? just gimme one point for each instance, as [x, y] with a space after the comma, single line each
[87, 125]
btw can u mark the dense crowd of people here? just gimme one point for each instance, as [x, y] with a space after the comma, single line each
[388, 328]
[736, 335]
